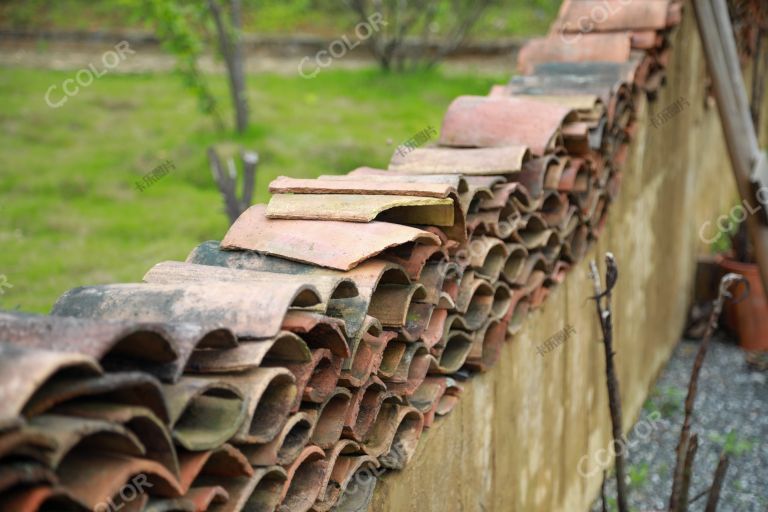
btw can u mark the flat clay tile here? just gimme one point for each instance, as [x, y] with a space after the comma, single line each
[468, 161]
[333, 244]
[362, 208]
[359, 185]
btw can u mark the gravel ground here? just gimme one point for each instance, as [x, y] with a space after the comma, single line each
[731, 413]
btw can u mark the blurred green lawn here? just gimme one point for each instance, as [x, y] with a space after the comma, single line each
[322, 17]
[70, 214]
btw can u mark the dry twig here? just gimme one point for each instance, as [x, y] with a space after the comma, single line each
[614, 398]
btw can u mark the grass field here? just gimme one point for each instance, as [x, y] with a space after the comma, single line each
[328, 18]
[70, 213]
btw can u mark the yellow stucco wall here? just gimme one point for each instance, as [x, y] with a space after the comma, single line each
[514, 441]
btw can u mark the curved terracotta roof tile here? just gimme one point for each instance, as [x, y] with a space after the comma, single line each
[204, 497]
[390, 360]
[359, 491]
[329, 287]
[269, 393]
[329, 417]
[515, 262]
[480, 121]
[285, 348]
[73, 434]
[40, 497]
[305, 478]
[97, 478]
[153, 433]
[127, 388]
[411, 370]
[223, 462]
[117, 345]
[286, 446]
[554, 208]
[518, 309]
[395, 435]
[204, 412]
[612, 15]
[370, 305]
[367, 359]
[332, 244]
[25, 370]
[343, 484]
[594, 47]
[475, 300]
[24, 443]
[252, 311]
[364, 407]
[318, 331]
[24, 473]
[451, 356]
[260, 492]
[324, 375]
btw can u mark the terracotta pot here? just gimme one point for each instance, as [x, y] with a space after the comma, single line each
[749, 318]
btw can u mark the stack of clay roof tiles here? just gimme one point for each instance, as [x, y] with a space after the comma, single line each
[287, 366]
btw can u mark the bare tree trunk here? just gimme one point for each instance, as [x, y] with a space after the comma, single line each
[226, 180]
[230, 45]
